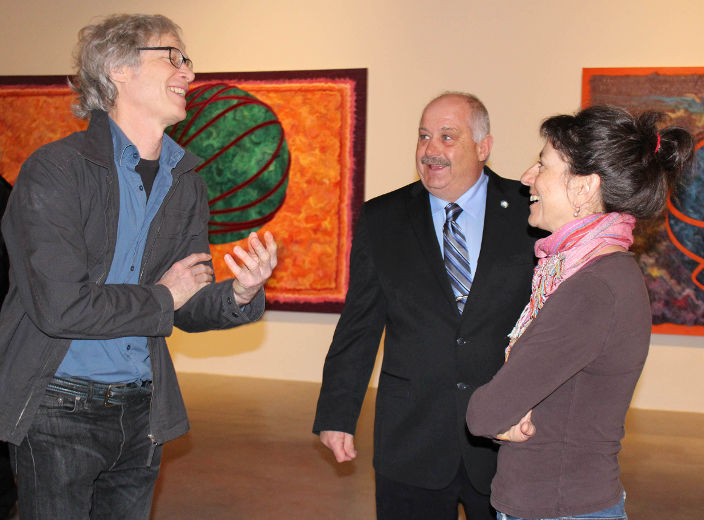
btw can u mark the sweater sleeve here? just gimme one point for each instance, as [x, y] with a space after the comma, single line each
[569, 332]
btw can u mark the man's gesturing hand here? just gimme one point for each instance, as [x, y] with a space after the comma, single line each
[186, 277]
[341, 444]
[254, 268]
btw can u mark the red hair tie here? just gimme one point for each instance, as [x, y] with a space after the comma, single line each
[657, 146]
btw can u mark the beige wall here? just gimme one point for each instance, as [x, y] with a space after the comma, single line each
[524, 59]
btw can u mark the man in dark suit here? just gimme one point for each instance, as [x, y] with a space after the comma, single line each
[446, 319]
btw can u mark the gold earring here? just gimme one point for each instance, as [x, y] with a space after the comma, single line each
[576, 211]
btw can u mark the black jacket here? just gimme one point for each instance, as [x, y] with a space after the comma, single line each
[60, 228]
[433, 357]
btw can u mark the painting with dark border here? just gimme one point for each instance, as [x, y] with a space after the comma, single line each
[282, 151]
[670, 250]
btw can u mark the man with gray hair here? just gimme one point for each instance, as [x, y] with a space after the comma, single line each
[444, 265]
[107, 234]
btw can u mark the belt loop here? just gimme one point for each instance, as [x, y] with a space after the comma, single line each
[90, 390]
[150, 457]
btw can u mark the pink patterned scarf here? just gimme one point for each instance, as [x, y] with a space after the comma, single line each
[565, 252]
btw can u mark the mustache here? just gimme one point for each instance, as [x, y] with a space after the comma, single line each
[440, 161]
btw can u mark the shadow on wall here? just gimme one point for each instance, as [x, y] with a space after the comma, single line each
[217, 343]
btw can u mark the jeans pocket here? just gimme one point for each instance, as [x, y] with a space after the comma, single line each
[52, 403]
[615, 512]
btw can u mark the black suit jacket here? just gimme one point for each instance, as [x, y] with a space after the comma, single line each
[433, 356]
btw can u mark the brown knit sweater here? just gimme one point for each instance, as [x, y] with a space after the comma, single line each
[576, 366]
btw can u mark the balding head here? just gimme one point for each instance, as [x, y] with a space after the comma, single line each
[449, 157]
[478, 114]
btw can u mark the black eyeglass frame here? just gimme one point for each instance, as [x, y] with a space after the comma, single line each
[183, 59]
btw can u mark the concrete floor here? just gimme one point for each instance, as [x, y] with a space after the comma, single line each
[251, 455]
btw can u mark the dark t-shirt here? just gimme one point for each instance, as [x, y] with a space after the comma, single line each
[576, 366]
[147, 169]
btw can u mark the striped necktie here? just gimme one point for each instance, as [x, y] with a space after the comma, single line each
[456, 256]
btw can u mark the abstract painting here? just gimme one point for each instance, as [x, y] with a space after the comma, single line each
[670, 250]
[282, 151]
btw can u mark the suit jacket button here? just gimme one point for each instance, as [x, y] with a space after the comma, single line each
[462, 386]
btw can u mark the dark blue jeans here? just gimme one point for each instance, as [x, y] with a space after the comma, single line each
[84, 460]
[617, 512]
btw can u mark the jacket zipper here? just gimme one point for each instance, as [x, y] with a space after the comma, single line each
[165, 202]
[103, 276]
[158, 229]
[26, 403]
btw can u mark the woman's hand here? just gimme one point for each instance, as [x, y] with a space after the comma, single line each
[520, 432]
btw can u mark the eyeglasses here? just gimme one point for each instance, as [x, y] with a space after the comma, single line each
[176, 57]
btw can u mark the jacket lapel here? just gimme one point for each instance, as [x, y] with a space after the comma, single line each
[492, 238]
[421, 222]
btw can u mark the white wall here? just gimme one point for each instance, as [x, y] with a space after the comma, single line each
[524, 59]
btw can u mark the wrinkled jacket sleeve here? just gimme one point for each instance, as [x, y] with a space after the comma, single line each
[49, 257]
[214, 306]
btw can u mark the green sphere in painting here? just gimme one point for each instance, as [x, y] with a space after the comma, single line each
[245, 157]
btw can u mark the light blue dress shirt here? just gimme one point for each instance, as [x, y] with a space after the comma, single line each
[471, 220]
[125, 359]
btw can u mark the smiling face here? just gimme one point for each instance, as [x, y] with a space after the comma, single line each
[448, 160]
[155, 90]
[551, 190]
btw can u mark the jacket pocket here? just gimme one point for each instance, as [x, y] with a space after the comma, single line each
[178, 224]
[391, 385]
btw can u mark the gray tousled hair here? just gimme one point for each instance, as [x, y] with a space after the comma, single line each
[107, 45]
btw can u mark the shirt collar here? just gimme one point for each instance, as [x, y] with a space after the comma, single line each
[171, 152]
[467, 200]
[127, 154]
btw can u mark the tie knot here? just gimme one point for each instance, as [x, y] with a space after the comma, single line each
[452, 211]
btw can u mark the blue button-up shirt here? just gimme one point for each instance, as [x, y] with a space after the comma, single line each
[126, 359]
[471, 220]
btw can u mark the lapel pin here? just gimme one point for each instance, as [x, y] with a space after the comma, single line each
[504, 204]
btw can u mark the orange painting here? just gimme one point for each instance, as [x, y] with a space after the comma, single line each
[322, 116]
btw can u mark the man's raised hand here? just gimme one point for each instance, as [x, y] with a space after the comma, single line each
[253, 267]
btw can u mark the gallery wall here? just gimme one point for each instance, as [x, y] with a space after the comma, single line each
[524, 59]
